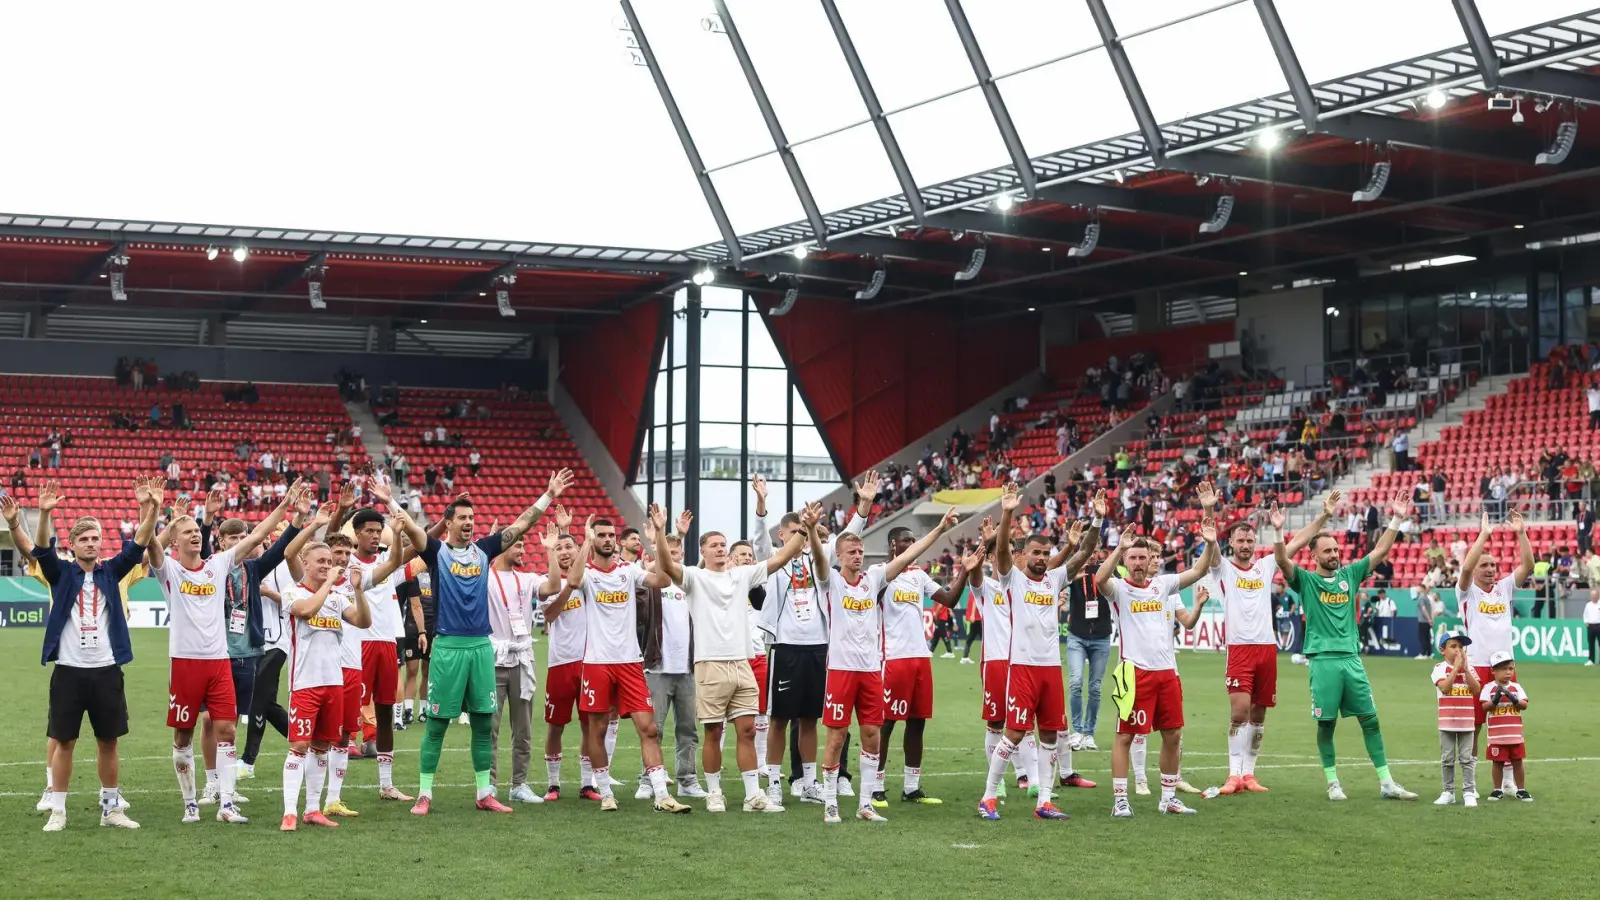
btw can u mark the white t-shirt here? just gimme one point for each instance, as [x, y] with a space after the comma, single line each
[798, 615]
[675, 632]
[510, 605]
[612, 620]
[317, 644]
[1487, 617]
[275, 624]
[996, 611]
[195, 600]
[1246, 598]
[1144, 620]
[855, 621]
[568, 632]
[719, 603]
[1035, 622]
[86, 641]
[387, 623]
[903, 632]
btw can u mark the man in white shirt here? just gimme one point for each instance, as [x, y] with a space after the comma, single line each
[511, 635]
[718, 600]
[1486, 600]
[669, 669]
[1593, 396]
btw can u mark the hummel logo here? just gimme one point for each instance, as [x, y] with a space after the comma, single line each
[294, 712]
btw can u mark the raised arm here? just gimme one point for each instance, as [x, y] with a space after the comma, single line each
[915, 551]
[400, 524]
[270, 524]
[1314, 527]
[809, 518]
[145, 533]
[580, 562]
[1280, 550]
[761, 541]
[1108, 568]
[866, 492]
[12, 513]
[306, 607]
[665, 566]
[382, 492]
[49, 499]
[819, 556]
[1469, 563]
[1524, 569]
[359, 615]
[1089, 539]
[346, 502]
[1010, 499]
[1401, 509]
[1189, 616]
[291, 554]
[1202, 563]
[559, 482]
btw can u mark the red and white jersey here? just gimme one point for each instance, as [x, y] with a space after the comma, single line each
[904, 636]
[990, 599]
[196, 604]
[351, 636]
[1487, 616]
[1035, 622]
[855, 621]
[1504, 719]
[387, 623]
[1457, 706]
[569, 631]
[612, 620]
[1246, 598]
[315, 644]
[1144, 620]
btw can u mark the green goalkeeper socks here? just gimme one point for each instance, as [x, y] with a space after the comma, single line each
[1374, 741]
[432, 744]
[482, 750]
[1325, 750]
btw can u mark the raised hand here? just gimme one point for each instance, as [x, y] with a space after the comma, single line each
[951, 517]
[972, 558]
[1208, 529]
[305, 501]
[588, 527]
[1516, 521]
[1201, 595]
[1483, 523]
[1130, 533]
[325, 514]
[213, 504]
[552, 537]
[685, 519]
[1207, 495]
[867, 487]
[1099, 504]
[759, 485]
[10, 511]
[986, 529]
[335, 574]
[1010, 497]
[811, 515]
[559, 482]
[1276, 516]
[1075, 533]
[1401, 506]
[49, 496]
[1330, 503]
[658, 518]
[347, 494]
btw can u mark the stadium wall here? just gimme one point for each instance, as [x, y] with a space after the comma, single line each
[607, 370]
[878, 381]
[1287, 332]
[50, 357]
[1179, 349]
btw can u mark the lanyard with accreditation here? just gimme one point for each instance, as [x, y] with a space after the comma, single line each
[519, 625]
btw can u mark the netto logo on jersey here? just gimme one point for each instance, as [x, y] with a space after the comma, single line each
[465, 571]
[611, 597]
[1331, 599]
[908, 596]
[1460, 690]
[857, 604]
[1147, 606]
[330, 622]
[197, 590]
[1034, 598]
[1249, 584]
[572, 603]
[1485, 608]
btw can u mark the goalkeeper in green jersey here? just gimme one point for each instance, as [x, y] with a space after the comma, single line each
[1339, 684]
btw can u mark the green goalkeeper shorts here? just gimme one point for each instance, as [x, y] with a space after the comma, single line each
[1339, 687]
[460, 676]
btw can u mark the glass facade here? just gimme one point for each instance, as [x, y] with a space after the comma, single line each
[749, 418]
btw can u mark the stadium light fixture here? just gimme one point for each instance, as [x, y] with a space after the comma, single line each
[1566, 137]
[240, 252]
[1091, 239]
[1004, 202]
[1436, 99]
[116, 272]
[1376, 182]
[974, 265]
[502, 294]
[211, 251]
[1269, 139]
[314, 275]
[703, 276]
[789, 298]
[1120, 175]
[1219, 218]
[870, 292]
[802, 251]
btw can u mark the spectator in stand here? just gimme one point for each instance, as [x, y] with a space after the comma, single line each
[55, 450]
[267, 461]
[449, 475]
[19, 480]
[427, 437]
[474, 462]
[1593, 397]
[136, 374]
[1402, 451]
[994, 425]
[430, 478]
[439, 436]
[155, 415]
[1586, 518]
[174, 475]
[402, 469]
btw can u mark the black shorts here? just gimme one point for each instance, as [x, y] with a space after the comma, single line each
[409, 648]
[797, 678]
[98, 692]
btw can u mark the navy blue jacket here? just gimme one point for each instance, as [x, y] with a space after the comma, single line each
[66, 583]
[254, 571]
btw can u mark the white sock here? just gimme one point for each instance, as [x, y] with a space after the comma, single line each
[338, 761]
[752, 783]
[109, 797]
[315, 776]
[47, 782]
[830, 785]
[183, 765]
[713, 782]
[1136, 757]
[991, 739]
[658, 782]
[1238, 746]
[385, 770]
[913, 779]
[602, 780]
[294, 773]
[869, 764]
[58, 801]
[1043, 777]
[1064, 758]
[761, 739]
[211, 778]
[774, 773]
[1002, 757]
[611, 741]
[227, 770]
[1252, 747]
[1509, 781]
[409, 705]
[1169, 787]
[585, 772]
[1022, 759]
[552, 770]
[1119, 789]
[877, 779]
[808, 773]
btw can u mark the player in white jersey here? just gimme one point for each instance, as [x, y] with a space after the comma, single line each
[1035, 694]
[985, 592]
[855, 655]
[380, 661]
[1145, 605]
[1486, 608]
[743, 553]
[907, 669]
[564, 625]
[613, 664]
[201, 672]
[316, 679]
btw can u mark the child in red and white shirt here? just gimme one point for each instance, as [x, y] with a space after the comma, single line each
[1457, 687]
[1503, 702]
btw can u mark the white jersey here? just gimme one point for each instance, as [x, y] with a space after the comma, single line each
[568, 632]
[387, 623]
[1035, 623]
[195, 601]
[612, 620]
[1487, 617]
[675, 633]
[275, 624]
[350, 645]
[904, 635]
[1144, 620]
[316, 643]
[855, 621]
[995, 608]
[1246, 598]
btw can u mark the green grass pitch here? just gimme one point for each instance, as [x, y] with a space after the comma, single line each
[1288, 843]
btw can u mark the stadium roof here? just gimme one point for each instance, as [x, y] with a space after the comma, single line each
[429, 153]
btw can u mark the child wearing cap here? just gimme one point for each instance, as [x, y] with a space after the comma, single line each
[1457, 687]
[1503, 701]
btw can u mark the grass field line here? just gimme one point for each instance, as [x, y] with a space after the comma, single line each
[267, 788]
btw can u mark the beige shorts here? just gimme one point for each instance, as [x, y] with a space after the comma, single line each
[725, 689]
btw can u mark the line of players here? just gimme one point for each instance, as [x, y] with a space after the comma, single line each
[876, 661]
